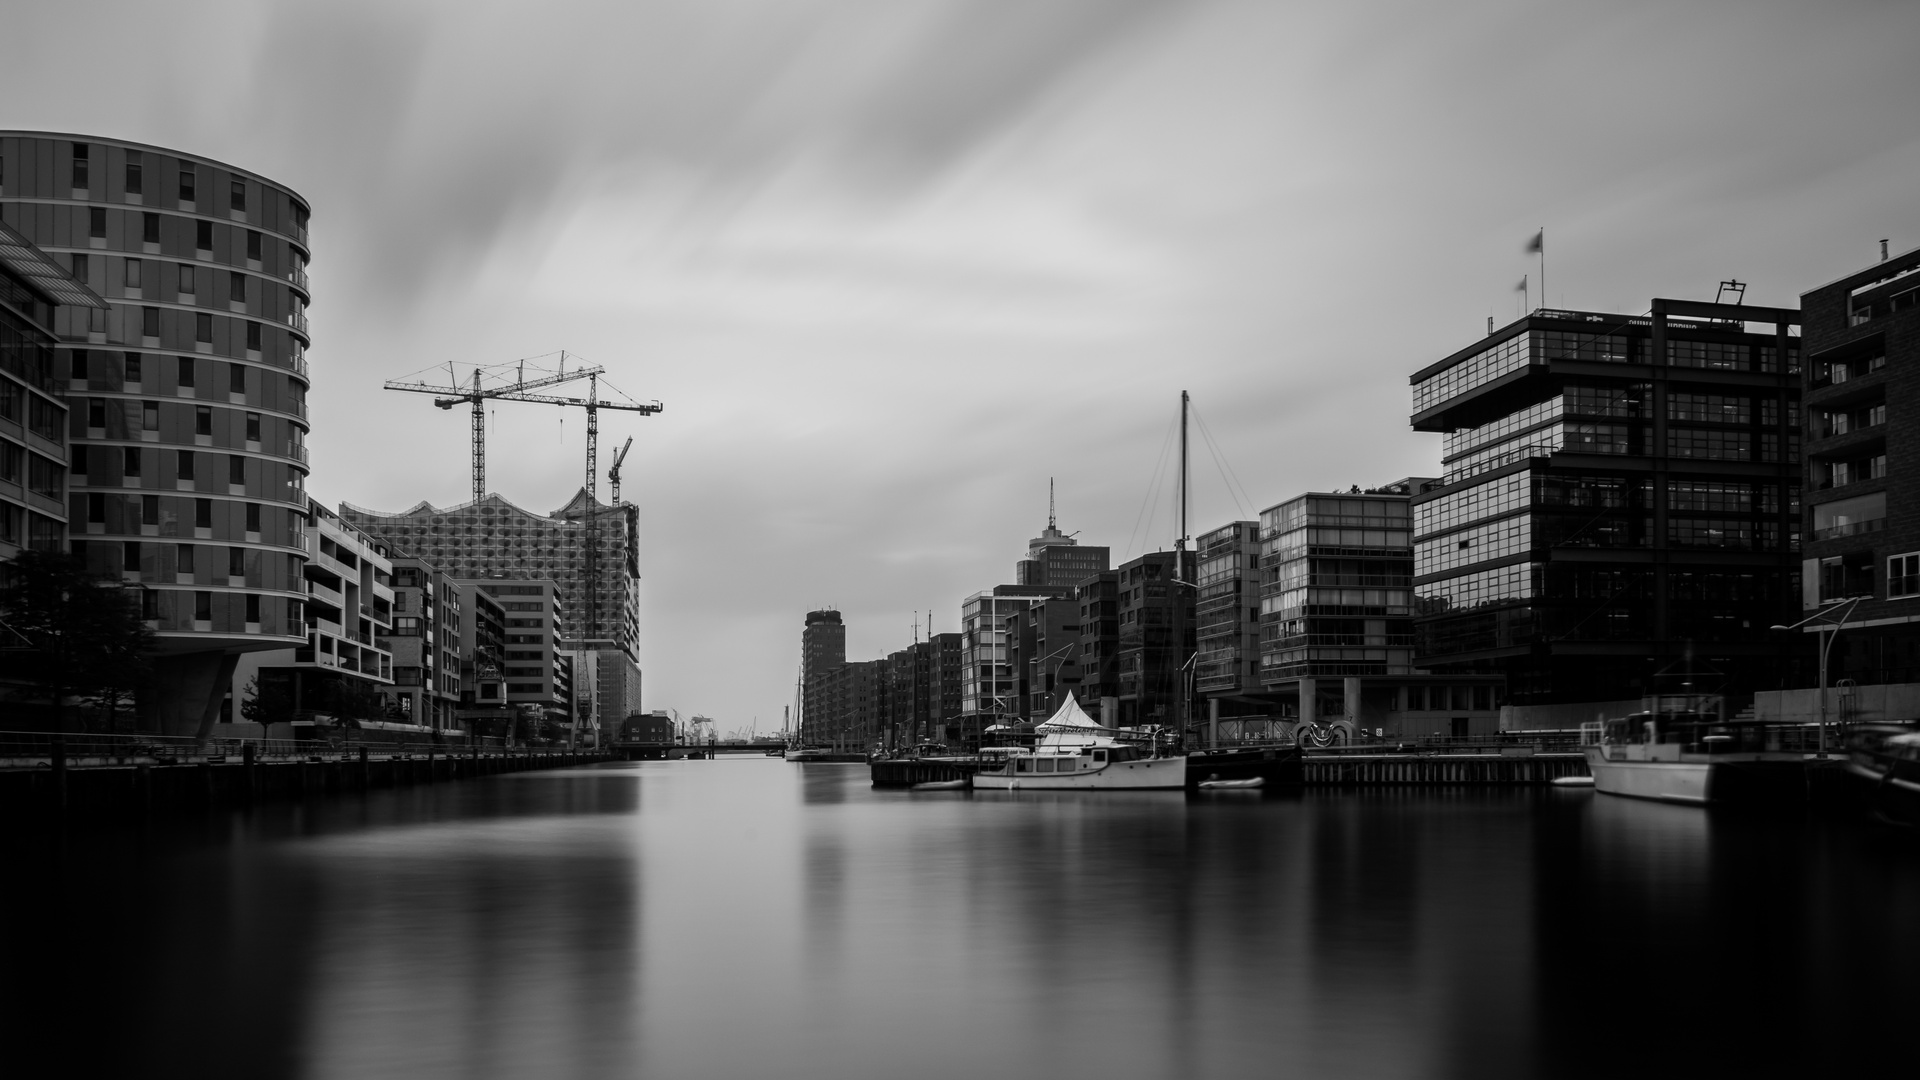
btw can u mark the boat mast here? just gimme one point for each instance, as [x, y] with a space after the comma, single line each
[1180, 545]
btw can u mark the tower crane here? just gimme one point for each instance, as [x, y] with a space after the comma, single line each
[613, 474]
[478, 392]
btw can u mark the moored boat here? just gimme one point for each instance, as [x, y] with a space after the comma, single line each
[1680, 749]
[1076, 753]
[1885, 759]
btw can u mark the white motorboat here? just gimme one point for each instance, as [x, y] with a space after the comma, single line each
[809, 753]
[939, 785]
[1680, 750]
[1076, 753]
[1232, 785]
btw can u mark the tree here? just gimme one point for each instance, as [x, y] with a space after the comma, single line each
[69, 631]
[265, 703]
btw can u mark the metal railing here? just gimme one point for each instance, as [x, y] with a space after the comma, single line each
[38, 749]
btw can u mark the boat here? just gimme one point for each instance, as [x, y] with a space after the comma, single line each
[1074, 752]
[809, 753]
[940, 785]
[1885, 759]
[1681, 749]
[1275, 765]
[1232, 785]
[1573, 781]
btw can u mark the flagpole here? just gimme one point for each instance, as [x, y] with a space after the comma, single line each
[1543, 266]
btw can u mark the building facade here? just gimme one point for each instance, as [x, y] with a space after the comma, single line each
[618, 694]
[1155, 595]
[1054, 558]
[823, 652]
[1862, 481]
[536, 658]
[186, 393]
[428, 613]
[1620, 509]
[483, 663]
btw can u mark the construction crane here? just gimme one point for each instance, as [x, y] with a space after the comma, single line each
[478, 393]
[613, 474]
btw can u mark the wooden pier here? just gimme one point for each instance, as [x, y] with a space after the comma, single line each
[1389, 769]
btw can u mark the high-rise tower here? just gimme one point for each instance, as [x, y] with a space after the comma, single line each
[186, 396]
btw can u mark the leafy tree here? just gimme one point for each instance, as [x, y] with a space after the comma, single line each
[269, 702]
[69, 631]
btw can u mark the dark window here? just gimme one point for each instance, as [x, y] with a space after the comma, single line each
[150, 322]
[149, 605]
[150, 416]
[236, 469]
[133, 369]
[203, 420]
[79, 369]
[203, 513]
[253, 517]
[253, 244]
[185, 471]
[253, 427]
[80, 268]
[150, 228]
[130, 461]
[253, 336]
[96, 413]
[134, 179]
[130, 556]
[187, 284]
[203, 607]
[97, 222]
[253, 607]
[77, 459]
[237, 565]
[186, 185]
[203, 328]
[79, 165]
[186, 371]
[238, 199]
[132, 277]
[149, 509]
[236, 379]
[203, 235]
[237, 287]
[96, 508]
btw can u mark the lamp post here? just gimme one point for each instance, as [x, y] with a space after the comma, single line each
[1833, 620]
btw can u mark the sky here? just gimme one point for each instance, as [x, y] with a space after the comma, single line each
[893, 266]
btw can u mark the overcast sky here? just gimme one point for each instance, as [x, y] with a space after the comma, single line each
[892, 265]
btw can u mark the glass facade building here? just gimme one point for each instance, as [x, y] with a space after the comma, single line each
[1620, 493]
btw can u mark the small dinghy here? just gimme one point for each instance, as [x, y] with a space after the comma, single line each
[939, 785]
[1573, 781]
[1232, 785]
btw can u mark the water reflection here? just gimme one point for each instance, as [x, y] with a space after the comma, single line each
[754, 918]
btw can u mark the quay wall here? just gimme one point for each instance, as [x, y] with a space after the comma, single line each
[135, 791]
[1356, 770]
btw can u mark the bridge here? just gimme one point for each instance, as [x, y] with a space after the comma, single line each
[659, 751]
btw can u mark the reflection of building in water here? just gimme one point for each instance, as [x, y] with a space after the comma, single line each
[1617, 489]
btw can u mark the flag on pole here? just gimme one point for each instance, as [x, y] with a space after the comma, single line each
[1522, 287]
[1538, 244]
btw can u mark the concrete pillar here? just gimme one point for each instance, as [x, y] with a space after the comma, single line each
[1109, 711]
[1309, 702]
[1213, 721]
[1351, 688]
[184, 694]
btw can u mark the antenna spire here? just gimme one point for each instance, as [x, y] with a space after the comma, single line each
[1050, 519]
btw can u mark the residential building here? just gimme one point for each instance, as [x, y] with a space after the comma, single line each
[187, 394]
[909, 680]
[1862, 483]
[944, 685]
[425, 640]
[1226, 664]
[33, 408]
[483, 705]
[1097, 656]
[1620, 510]
[496, 539]
[618, 695]
[537, 661]
[349, 621]
[823, 652]
[1156, 640]
[989, 686]
[1045, 643]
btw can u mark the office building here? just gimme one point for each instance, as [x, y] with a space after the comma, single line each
[1226, 663]
[1156, 640]
[345, 660]
[1097, 652]
[1620, 509]
[483, 664]
[618, 695]
[823, 652]
[944, 689]
[909, 681]
[428, 610]
[989, 686]
[1861, 551]
[496, 539]
[33, 408]
[187, 394]
[537, 662]
[1045, 642]
[1054, 558]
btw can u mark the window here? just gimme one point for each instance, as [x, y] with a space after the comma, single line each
[253, 427]
[80, 163]
[253, 607]
[203, 329]
[149, 605]
[131, 278]
[253, 244]
[203, 607]
[186, 279]
[132, 370]
[10, 457]
[96, 413]
[236, 287]
[253, 517]
[80, 268]
[150, 228]
[1847, 576]
[253, 337]
[1903, 575]
[96, 508]
[149, 509]
[238, 196]
[78, 370]
[186, 185]
[77, 460]
[237, 565]
[236, 469]
[46, 419]
[130, 461]
[1847, 517]
[130, 556]
[45, 477]
[203, 420]
[9, 400]
[236, 379]
[203, 235]
[134, 177]
[150, 416]
[203, 513]
[150, 322]
[185, 470]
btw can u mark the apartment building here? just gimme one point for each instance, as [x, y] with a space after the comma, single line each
[429, 610]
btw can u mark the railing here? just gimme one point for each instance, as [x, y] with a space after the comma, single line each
[38, 749]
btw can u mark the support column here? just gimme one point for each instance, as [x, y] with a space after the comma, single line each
[1213, 721]
[1351, 688]
[184, 694]
[1309, 702]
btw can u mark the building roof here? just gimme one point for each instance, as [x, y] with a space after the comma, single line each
[45, 276]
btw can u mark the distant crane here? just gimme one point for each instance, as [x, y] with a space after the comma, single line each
[613, 474]
[478, 393]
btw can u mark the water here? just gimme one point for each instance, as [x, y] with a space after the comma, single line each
[750, 918]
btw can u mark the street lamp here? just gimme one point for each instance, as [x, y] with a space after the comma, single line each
[1828, 631]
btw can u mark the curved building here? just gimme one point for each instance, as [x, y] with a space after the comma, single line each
[186, 396]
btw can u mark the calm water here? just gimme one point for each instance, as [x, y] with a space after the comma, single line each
[750, 918]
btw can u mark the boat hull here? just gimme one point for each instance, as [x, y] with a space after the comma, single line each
[1665, 781]
[1152, 774]
[1757, 779]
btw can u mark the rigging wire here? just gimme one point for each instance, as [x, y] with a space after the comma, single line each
[1227, 477]
[1153, 485]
